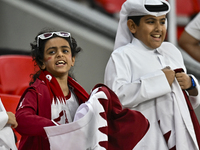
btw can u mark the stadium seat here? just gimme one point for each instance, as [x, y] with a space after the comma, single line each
[15, 71]
[10, 102]
[110, 6]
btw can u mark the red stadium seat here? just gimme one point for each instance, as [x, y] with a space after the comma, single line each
[15, 71]
[10, 103]
[111, 6]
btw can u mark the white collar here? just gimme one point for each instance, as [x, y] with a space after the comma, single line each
[135, 41]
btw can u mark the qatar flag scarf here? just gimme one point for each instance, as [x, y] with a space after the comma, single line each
[53, 86]
[58, 101]
[55, 90]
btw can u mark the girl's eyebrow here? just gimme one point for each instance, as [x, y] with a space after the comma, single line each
[54, 47]
[51, 48]
[65, 46]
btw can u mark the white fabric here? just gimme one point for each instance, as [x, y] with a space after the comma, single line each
[7, 140]
[193, 28]
[65, 109]
[134, 74]
[4, 116]
[134, 8]
[83, 133]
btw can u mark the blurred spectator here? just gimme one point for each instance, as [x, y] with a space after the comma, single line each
[7, 120]
[190, 38]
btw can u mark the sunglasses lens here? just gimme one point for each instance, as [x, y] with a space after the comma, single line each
[46, 35]
[65, 34]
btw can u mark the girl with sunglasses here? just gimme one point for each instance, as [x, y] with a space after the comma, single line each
[53, 96]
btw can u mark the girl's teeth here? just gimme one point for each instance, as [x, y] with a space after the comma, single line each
[60, 62]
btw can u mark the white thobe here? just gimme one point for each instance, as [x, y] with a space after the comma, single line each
[135, 74]
[7, 140]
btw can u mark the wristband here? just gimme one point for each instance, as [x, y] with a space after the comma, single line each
[193, 84]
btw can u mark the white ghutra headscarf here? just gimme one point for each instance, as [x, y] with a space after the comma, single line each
[137, 8]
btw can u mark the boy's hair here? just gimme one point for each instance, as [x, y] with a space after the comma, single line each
[38, 52]
[136, 19]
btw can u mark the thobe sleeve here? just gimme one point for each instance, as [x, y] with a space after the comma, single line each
[3, 116]
[3, 119]
[176, 55]
[118, 77]
[7, 140]
[29, 122]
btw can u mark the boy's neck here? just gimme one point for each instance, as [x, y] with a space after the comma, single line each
[145, 45]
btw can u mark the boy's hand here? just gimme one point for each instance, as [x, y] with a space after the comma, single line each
[170, 75]
[184, 80]
[12, 120]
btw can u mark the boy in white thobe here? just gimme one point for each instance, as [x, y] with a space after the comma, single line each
[7, 141]
[141, 72]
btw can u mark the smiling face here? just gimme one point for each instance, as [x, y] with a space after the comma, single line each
[151, 30]
[57, 57]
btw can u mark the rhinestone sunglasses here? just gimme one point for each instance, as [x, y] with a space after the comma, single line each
[48, 35]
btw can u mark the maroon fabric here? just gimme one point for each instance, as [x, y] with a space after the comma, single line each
[125, 127]
[194, 119]
[35, 113]
[52, 84]
[56, 91]
[192, 112]
[79, 90]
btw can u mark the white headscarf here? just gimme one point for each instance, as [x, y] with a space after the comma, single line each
[134, 8]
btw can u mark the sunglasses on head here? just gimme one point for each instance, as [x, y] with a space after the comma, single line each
[48, 35]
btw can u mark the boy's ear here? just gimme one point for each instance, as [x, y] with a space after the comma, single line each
[131, 25]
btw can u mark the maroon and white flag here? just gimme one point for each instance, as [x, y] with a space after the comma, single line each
[100, 124]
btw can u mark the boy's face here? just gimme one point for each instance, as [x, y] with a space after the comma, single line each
[151, 30]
